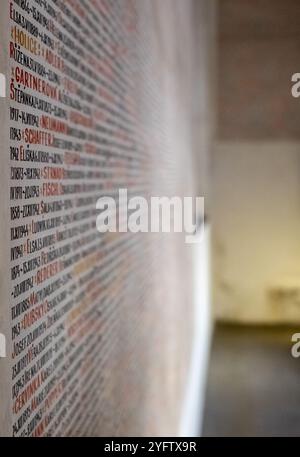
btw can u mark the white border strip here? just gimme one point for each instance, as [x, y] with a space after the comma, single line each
[193, 407]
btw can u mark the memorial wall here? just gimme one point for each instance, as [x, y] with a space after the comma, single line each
[98, 326]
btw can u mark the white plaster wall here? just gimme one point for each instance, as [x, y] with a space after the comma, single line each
[256, 226]
[194, 399]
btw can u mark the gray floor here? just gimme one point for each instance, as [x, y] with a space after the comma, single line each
[253, 384]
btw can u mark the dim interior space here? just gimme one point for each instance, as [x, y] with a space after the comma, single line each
[253, 372]
[112, 323]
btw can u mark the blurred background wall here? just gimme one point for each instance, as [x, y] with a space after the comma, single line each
[256, 163]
